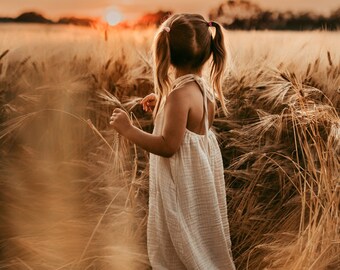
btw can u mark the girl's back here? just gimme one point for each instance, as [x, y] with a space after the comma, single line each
[195, 98]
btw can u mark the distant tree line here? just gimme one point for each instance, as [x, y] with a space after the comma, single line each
[34, 17]
[147, 20]
[247, 16]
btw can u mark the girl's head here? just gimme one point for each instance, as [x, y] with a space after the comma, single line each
[185, 42]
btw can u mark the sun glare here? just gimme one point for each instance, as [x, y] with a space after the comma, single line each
[113, 16]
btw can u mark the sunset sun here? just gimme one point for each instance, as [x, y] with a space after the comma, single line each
[113, 16]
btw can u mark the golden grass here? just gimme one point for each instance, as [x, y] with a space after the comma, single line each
[74, 195]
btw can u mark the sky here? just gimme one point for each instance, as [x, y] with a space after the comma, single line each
[131, 9]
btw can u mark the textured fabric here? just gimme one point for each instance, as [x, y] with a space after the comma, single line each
[188, 224]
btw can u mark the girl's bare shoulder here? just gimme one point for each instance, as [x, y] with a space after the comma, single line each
[188, 90]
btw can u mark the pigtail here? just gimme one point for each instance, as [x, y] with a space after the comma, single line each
[162, 65]
[219, 63]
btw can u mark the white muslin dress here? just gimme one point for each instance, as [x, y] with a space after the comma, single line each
[188, 223]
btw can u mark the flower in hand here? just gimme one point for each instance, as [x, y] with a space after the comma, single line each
[120, 121]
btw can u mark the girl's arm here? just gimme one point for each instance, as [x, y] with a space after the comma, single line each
[168, 142]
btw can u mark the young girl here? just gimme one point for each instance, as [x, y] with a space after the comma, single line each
[187, 224]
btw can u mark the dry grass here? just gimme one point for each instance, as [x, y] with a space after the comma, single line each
[74, 194]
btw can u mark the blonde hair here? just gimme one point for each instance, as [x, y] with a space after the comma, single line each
[185, 41]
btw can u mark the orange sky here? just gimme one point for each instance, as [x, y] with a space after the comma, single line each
[134, 8]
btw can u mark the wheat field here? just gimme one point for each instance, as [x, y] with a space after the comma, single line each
[74, 195]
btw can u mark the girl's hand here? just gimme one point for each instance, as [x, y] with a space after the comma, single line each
[120, 121]
[149, 102]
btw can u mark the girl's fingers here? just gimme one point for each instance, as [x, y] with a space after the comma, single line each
[116, 111]
[112, 121]
[148, 102]
[143, 103]
[150, 97]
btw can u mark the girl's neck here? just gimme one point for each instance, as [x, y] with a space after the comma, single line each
[179, 73]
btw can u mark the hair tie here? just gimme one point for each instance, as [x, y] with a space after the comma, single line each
[210, 24]
[167, 29]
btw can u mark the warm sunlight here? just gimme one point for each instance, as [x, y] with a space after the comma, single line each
[113, 16]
